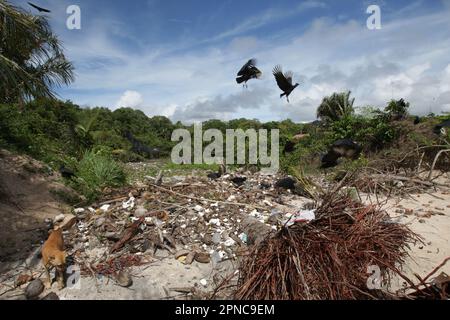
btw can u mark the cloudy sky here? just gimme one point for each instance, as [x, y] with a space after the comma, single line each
[179, 58]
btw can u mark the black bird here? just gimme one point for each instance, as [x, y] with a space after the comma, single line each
[341, 148]
[284, 81]
[441, 129]
[66, 173]
[40, 9]
[238, 181]
[218, 174]
[416, 120]
[248, 71]
[286, 183]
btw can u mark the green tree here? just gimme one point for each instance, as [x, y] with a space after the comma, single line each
[335, 107]
[32, 62]
[397, 109]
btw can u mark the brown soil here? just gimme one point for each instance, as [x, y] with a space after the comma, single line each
[28, 195]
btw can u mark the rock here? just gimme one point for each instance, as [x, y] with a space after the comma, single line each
[207, 239]
[59, 218]
[198, 208]
[34, 289]
[68, 222]
[124, 279]
[202, 257]
[422, 221]
[140, 212]
[99, 222]
[22, 279]
[78, 210]
[51, 296]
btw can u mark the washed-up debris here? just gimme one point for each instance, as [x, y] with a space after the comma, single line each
[34, 289]
[202, 257]
[428, 288]
[210, 221]
[301, 216]
[22, 279]
[326, 258]
[128, 234]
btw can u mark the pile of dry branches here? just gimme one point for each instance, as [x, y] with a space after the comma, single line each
[327, 258]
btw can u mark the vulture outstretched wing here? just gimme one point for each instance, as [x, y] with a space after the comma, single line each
[251, 63]
[40, 9]
[284, 83]
[288, 75]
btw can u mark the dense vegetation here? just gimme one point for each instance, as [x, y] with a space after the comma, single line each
[95, 142]
[92, 141]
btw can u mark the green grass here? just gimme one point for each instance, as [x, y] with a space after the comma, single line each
[95, 172]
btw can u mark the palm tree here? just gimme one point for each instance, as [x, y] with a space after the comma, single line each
[335, 107]
[31, 59]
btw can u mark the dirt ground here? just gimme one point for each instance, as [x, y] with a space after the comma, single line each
[28, 196]
[428, 215]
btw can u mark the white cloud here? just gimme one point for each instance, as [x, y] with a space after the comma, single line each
[130, 99]
[407, 58]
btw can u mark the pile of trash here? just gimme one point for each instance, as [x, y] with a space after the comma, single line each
[189, 218]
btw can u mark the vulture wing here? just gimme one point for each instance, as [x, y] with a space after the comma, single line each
[249, 64]
[282, 82]
[40, 9]
[256, 72]
[288, 75]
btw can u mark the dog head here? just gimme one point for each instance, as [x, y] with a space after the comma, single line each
[58, 260]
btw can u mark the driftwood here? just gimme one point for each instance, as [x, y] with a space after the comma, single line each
[127, 235]
[407, 179]
[435, 161]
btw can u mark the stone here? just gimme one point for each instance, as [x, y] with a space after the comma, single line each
[124, 279]
[34, 289]
[202, 257]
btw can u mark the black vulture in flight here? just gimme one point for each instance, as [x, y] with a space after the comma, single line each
[40, 9]
[284, 81]
[248, 71]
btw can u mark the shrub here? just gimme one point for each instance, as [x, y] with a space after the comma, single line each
[95, 171]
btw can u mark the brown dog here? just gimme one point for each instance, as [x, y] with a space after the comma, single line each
[53, 255]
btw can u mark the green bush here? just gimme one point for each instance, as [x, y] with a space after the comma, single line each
[96, 171]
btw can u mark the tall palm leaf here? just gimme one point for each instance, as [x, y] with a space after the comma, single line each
[32, 62]
[335, 107]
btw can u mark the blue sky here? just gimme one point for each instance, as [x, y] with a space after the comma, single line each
[179, 58]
